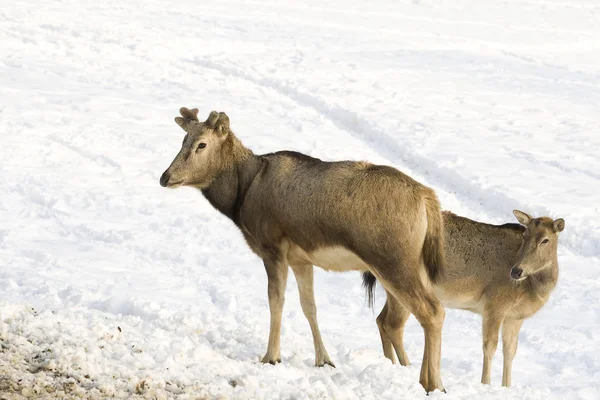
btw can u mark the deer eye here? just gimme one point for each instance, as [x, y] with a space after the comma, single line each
[545, 241]
[201, 146]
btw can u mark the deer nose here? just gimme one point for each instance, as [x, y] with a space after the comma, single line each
[164, 179]
[516, 272]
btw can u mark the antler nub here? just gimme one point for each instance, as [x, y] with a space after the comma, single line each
[218, 121]
[212, 119]
[189, 114]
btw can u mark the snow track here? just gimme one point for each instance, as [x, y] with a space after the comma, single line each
[111, 286]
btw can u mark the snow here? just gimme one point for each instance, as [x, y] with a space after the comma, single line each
[113, 286]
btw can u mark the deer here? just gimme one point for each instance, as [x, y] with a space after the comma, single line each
[298, 211]
[503, 272]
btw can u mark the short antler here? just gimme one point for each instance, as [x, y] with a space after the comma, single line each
[218, 121]
[212, 119]
[189, 114]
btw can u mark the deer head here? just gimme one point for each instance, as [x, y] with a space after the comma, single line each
[539, 246]
[203, 153]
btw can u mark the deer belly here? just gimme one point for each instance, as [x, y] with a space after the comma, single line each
[336, 259]
[463, 301]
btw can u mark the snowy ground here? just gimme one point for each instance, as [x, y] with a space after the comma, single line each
[113, 286]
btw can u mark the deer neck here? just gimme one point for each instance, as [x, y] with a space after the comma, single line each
[542, 283]
[227, 191]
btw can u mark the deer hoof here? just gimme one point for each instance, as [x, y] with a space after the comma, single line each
[324, 363]
[271, 361]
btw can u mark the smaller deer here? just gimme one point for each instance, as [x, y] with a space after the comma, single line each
[503, 272]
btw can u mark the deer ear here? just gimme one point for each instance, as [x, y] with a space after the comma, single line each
[522, 217]
[559, 225]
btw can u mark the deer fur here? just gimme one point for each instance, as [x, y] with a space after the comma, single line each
[298, 211]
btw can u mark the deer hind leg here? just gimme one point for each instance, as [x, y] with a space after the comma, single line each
[277, 272]
[491, 328]
[386, 342]
[391, 322]
[304, 278]
[418, 299]
[510, 340]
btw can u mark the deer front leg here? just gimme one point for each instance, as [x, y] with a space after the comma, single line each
[277, 279]
[510, 340]
[304, 277]
[491, 328]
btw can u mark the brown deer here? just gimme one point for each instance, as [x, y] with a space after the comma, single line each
[503, 272]
[299, 211]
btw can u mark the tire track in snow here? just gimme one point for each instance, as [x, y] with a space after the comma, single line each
[99, 159]
[486, 201]
[554, 164]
